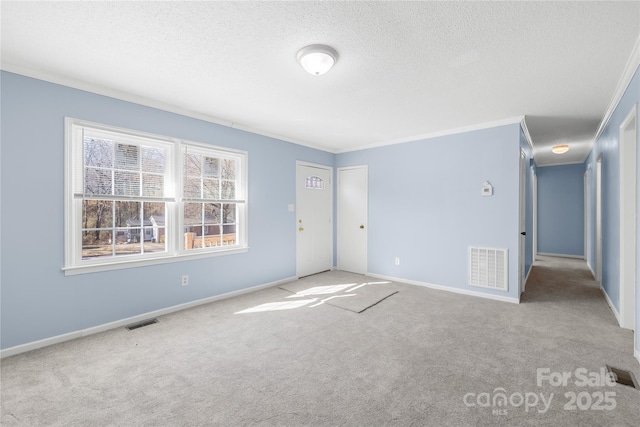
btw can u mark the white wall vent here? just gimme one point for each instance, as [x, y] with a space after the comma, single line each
[488, 268]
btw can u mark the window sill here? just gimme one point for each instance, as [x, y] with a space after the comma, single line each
[122, 264]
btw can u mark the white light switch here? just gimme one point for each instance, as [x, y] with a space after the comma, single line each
[487, 189]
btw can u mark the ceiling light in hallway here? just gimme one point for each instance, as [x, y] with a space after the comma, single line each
[560, 149]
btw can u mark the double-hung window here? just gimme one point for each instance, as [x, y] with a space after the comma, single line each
[135, 199]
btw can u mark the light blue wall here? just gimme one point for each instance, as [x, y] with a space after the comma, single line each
[37, 300]
[426, 207]
[607, 145]
[561, 209]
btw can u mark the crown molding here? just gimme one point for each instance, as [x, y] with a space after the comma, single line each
[527, 135]
[454, 131]
[627, 74]
[148, 102]
[141, 100]
[548, 165]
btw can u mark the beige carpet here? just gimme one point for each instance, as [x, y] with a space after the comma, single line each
[349, 291]
[420, 358]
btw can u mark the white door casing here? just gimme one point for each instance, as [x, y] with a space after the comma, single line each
[585, 213]
[314, 213]
[534, 249]
[352, 219]
[599, 219]
[522, 222]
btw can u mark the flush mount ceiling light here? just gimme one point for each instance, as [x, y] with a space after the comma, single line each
[317, 59]
[560, 149]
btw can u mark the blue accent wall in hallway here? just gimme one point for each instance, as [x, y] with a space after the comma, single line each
[561, 210]
[608, 147]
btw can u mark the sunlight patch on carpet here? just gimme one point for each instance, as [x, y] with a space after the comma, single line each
[274, 306]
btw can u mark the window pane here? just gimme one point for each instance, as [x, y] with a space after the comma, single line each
[152, 185]
[154, 223]
[127, 157]
[127, 214]
[229, 213]
[210, 188]
[98, 153]
[192, 214]
[97, 181]
[192, 187]
[97, 214]
[192, 165]
[228, 190]
[229, 236]
[211, 167]
[133, 246]
[229, 227]
[96, 243]
[212, 213]
[150, 244]
[127, 183]
[154, 213]
[228, 169]
[153, 159]
[314, 183]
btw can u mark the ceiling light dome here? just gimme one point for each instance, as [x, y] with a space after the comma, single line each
[560, 149]
[317, 59]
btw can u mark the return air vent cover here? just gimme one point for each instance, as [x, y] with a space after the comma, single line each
[488, 268]
[142, 324]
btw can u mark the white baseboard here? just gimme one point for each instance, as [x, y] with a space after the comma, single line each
[593, 273]
[561, 255]
[611, 306]
[447, 288]
[526, 279]
[22, 348]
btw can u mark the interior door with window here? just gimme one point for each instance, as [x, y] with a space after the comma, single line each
[314, 228]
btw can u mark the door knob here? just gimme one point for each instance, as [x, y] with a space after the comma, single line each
[524, 233]
[362, 226]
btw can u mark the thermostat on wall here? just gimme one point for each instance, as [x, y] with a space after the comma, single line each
[487, 189]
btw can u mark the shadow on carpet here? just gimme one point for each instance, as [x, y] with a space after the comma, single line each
[352, 296]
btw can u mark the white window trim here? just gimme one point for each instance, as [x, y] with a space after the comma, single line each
[175, 251]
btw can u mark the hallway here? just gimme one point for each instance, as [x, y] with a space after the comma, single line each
[571, 304]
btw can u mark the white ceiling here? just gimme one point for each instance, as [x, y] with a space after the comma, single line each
[406, 69]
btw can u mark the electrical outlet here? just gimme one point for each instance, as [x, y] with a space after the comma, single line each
[185, 280]
[397, 261]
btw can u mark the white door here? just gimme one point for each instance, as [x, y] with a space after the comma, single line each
[628, 176]
[585, 211]
[352, 219]
[313, 219]
[599, 219]
[534, 250]
[522, 221]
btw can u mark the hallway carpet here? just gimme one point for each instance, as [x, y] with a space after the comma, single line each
[422, 357]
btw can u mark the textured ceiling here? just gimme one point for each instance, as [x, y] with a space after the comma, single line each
[406, 69]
